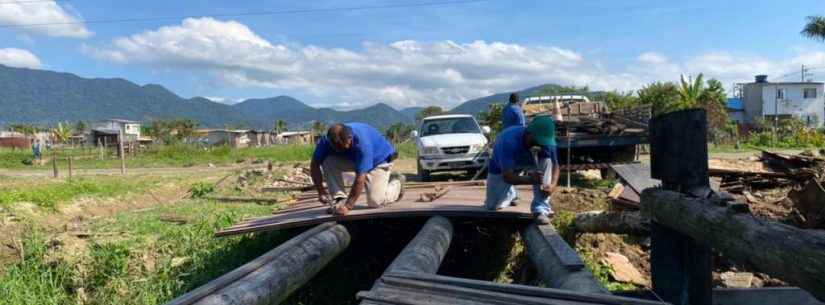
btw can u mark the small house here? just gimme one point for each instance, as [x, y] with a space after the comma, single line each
[294, 137]
[777, 100]
[231, 138]
[106, 132]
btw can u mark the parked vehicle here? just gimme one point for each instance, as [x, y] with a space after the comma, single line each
[589, 133]
[450, 143]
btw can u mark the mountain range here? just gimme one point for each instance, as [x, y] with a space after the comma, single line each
[46, 97]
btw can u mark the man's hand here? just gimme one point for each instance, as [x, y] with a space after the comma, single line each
[548, 188]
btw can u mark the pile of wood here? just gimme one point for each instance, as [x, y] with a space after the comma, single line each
[782, 170]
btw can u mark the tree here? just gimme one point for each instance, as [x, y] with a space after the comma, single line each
[26, 129]
[279, 126]
[61, 133]
[662, 97]
[815, 28]
[690, 90]
[318, 129]
[399, 132]
[429, 111]
[492, 118]
[80, 127]
[616, 100]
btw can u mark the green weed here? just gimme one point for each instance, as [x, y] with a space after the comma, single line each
[201, 189]
[49, 195]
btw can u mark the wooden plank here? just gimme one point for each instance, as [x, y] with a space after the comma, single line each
[461, 201]
[636, 175]
[247, 268]
[522, 290]
[791, 254]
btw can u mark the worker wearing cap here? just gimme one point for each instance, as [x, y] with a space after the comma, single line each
[359, 148]
[513, 153]
[512, 114]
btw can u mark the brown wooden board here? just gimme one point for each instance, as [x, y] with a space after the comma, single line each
[461, 201]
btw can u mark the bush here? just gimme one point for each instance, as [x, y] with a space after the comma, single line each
[201, 189]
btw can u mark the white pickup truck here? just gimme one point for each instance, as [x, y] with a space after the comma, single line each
[450, 143]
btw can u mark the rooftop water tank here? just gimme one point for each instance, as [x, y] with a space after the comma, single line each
[761, 78]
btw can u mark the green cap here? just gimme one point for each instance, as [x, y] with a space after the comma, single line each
[544, 129]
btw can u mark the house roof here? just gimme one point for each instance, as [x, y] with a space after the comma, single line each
[122, 121]
[735, 103]
[293, 133]
[790, 83]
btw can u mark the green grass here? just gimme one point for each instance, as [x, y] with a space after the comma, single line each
[172, 156]
[48, 195]
[150, 262]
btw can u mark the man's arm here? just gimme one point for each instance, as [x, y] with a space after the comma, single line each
[357, 189]
[511, 178]
[318, 181]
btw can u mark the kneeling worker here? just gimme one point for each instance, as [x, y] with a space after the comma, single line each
[512, 153]
[359, 148]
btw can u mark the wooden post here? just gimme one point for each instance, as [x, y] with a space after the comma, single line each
[680, 266]
[423, 255]
[272, 277]
[100, 149]
[122, 155]
[70, 168]
[54, 163]
[559, 266]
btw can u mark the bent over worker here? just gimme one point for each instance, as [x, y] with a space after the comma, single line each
[512, 153]
[359, 148]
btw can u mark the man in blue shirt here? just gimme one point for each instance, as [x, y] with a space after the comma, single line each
[359, 148]
[512, 153]
[512, 115]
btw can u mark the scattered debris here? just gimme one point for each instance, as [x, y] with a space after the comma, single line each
[737, 279]
[623, 271]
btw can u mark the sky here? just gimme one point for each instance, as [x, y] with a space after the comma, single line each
[352, 54]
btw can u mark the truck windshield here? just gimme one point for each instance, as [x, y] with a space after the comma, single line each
[452, 125]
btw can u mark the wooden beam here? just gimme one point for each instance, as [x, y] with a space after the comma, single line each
[611, 222]
[559, 266]
[270, 278]
[791, 254]
[426, 251]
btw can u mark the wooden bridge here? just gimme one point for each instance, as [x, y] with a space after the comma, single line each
[689, 222]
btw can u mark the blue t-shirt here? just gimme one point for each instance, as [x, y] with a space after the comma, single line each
[512, 115]
[509, 152]
[369, 148]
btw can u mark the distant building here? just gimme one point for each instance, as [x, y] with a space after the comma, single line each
[258, 138]
[11, 139]
[294, 137]
[106, 132]
[231, 138]
[736, 109]
[802, 100]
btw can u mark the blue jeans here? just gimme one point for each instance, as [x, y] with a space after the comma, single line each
[501, 193]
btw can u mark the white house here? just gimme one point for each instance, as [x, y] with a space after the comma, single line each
[803, 100]
[106, 132]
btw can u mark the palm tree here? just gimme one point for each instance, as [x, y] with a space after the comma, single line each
[61, 133]
[280, 126]
[318, 129]
[690, 90]
[815, 28]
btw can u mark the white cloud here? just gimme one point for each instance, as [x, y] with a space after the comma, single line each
[406, 73]
[23, 12]
[19, 58]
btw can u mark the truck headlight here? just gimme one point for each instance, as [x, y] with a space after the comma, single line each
[429, 150]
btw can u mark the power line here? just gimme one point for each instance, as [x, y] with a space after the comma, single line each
[260, 13]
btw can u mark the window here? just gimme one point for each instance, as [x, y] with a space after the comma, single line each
[809, 93]
[780, 94]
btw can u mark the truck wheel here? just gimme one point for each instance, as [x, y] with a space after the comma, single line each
[423, 174]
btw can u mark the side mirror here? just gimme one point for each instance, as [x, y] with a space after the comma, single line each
[414, 134]
[486, 129]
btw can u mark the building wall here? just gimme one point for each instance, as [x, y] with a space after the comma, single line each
[810, 110]
[752, 101]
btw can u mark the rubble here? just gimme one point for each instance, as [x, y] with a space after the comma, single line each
[623, 271]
